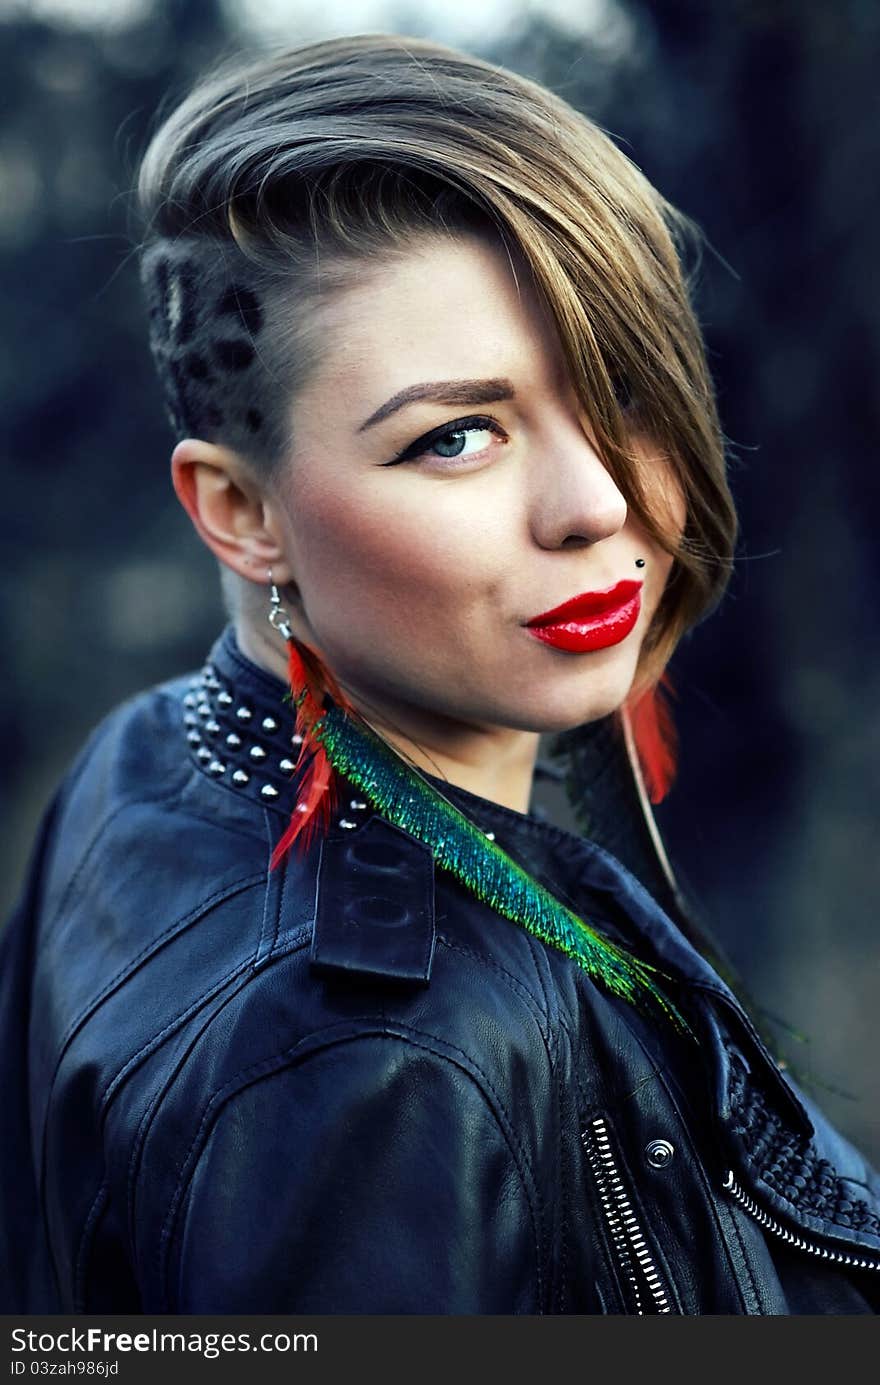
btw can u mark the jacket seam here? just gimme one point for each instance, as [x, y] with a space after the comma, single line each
[110, 818]
[273, 901]
[156, 1039]
[551, 1034]
[576, 1049]
[563, 1198]
[107, 1096]
[179, 924]
[745, 1258]
[199, 779]
[701, 1172]
[84, 1246]
[511, 981]
[256, 1072]
[243, 977]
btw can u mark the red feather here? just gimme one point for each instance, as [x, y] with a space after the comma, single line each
[655, 738]
[309, 679]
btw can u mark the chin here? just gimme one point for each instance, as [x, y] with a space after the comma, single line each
[594, 695]
[548, 719]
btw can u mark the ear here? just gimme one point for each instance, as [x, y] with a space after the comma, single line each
[230, 508]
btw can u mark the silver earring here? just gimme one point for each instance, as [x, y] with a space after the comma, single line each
[277, 615]
[640, 562]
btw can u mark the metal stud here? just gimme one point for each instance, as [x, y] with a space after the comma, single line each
[243, 713]
[344, 822]
[204, 753]
[269, 791]
[269, 724]
[225, 699]
[257, 753]
[212, 727]
[490, 835]
[357, 805]
[193, 737]
[204, 709]
[190, 719]
[659, 1153]
[233, 741]
[286, 766]
[190, 700]
[216, 767]
[296, 740]
[241, 776]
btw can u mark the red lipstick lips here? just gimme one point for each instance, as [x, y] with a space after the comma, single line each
[592, 620]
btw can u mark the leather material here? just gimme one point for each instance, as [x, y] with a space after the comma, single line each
[373, 919]
[348, 1086]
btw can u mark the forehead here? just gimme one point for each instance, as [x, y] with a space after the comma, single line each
[446, 305]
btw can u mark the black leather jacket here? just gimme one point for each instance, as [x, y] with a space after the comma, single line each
[348, 1086]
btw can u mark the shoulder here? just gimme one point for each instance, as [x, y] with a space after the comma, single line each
[389, 972]
[136, 760]
[134, 806]
[357, 1104]
[163, 931]
[142, 847]
[364, 1168]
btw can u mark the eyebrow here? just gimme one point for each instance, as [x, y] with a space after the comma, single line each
[443, 392]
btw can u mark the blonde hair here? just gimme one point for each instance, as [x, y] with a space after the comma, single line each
[292, 169]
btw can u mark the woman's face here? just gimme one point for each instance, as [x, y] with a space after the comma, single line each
[414, 578]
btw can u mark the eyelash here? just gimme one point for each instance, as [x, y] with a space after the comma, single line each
[459, 425]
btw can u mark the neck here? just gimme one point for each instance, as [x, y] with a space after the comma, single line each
[494, 762]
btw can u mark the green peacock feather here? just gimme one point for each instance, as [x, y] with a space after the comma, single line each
[406, 799]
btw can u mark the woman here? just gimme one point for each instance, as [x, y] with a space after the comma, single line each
[317, 1015]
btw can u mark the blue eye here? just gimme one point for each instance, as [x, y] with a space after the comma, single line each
[453, 443]
[448, 441]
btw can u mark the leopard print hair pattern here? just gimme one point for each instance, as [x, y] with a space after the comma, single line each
[206, 320]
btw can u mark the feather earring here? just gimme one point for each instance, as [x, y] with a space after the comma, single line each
[655, 738]
[309, 680]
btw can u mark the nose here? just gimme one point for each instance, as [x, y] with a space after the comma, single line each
[574, 498]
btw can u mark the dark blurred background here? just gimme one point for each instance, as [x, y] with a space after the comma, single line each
[760, 120]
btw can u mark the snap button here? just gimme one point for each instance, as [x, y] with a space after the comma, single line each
[659, 1153]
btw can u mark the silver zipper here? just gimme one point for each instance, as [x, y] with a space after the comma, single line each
[633, 1257]
[751, 1206]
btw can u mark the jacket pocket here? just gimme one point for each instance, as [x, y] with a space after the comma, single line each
[641, 1285]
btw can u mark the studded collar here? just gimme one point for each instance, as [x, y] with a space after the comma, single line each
[240, 730]
[239, 727]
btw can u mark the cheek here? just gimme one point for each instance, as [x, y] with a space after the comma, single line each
[361, 551]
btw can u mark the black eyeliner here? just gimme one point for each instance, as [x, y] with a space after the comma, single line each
[458, 425]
